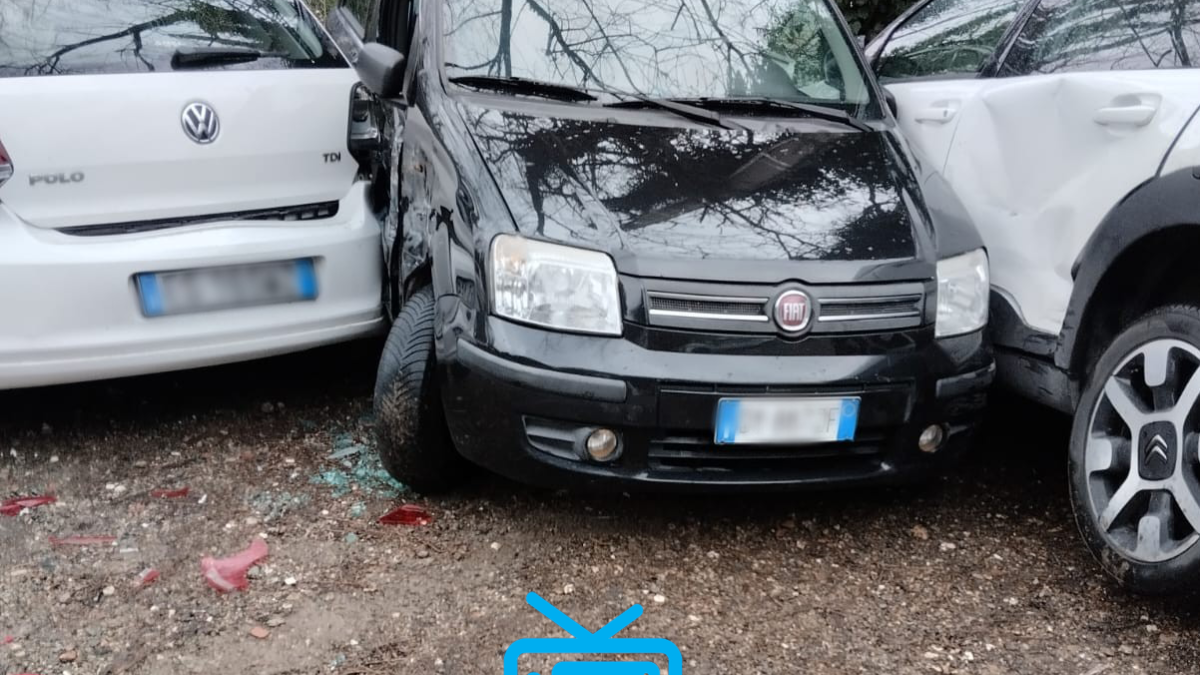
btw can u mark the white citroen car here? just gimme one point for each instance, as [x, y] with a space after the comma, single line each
[1069, 129]
[179, 187]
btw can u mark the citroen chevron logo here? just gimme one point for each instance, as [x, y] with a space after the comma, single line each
[1157, 448]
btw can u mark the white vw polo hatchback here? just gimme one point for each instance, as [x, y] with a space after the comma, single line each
[179, 187]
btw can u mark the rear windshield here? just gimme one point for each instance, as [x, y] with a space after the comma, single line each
[81, 37]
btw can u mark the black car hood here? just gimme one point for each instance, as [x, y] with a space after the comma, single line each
[677, 192]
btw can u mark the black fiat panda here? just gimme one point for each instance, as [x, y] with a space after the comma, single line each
[663, 243]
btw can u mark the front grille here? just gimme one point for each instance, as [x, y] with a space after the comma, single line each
[717, 308]
[319, 211]
[693, 452]
[748, 309]
[868, 309]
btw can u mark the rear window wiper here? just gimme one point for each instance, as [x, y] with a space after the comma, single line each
[763, 103]
[685, 110]
[200, 57]
[521, 85]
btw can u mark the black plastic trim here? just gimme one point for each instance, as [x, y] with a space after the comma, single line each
[1037, 379]
[135, 227]
[991, 68]
[968, 383]
[1009, 330]
[1167, 202]
[1025, 357]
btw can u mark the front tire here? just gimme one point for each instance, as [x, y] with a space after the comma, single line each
[1135, 458]
[414, 443]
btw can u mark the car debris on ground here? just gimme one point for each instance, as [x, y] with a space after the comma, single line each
[848, 582]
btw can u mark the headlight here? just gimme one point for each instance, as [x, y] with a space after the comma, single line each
[963, 291]
[560, 287]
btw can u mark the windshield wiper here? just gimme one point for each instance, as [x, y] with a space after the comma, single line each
[809, 109]
[199, 57]
[521, 85]
[684, 110]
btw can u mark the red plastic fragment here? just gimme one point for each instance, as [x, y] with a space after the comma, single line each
[227, 574]
[147, 577]
[83, 540]
[163, 493]
[409, 514]
[7, 639]
[11, 507]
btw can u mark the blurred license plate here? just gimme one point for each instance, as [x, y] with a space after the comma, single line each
[210, 288]
[786, 421]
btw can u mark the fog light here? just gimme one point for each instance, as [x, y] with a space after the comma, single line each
[602, 445]
[931, 439]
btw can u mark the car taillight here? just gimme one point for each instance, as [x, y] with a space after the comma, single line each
[366, 143]
[364, 124]
[6, 167]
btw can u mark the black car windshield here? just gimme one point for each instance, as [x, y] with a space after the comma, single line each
[84, 37]
[791, 50]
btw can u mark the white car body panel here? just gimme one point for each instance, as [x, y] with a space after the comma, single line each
[124, 134]
[1040, 160]
[72, 313]
[929, 113]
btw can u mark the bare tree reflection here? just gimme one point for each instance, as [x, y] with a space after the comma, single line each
[1109, 35]
[958, 36]
[948, 36]
[656, 47]
[698, 193]
[66, 37]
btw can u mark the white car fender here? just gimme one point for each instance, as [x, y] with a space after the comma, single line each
[1185, 153]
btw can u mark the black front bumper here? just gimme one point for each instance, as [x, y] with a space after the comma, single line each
[522, 406]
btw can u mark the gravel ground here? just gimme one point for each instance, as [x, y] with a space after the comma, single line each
[982, 573]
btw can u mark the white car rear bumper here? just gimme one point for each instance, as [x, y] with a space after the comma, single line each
[70, 310]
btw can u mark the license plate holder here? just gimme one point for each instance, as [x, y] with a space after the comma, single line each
[786, 421]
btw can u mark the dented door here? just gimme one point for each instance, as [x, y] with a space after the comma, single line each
[1085, 106]
[932, 61]
[1040, 160]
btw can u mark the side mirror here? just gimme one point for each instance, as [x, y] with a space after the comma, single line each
[381, 69]
[892, 104]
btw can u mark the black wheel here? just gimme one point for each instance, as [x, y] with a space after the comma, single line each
[414, 444]
[1135, 458]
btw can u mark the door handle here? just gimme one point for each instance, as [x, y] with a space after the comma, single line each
[1137, 115]
[939, 112]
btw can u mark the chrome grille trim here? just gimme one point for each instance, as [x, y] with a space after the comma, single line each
[708, 307]
[871, 309]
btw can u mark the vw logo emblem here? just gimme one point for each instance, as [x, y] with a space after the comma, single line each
[200, 123]
[793, 310]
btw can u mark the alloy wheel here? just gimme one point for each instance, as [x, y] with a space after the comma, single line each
[1142, 455]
